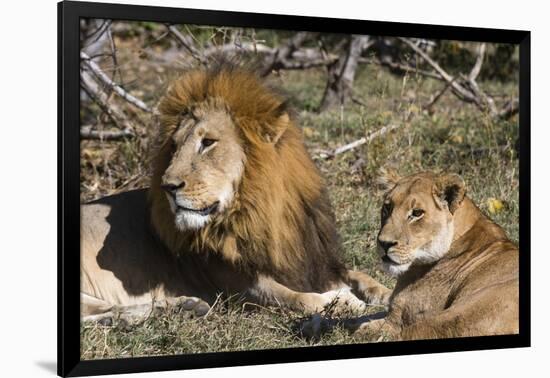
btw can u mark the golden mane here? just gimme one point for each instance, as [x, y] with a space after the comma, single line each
[281, 220]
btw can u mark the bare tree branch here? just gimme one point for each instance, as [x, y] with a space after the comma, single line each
[187, 43]
[102, 76]
[459, 90]
[280, 56]
[86, 132]
[342, 73]
[357, 143]
[102, 100]
[510, 109]
[467, 89]
[404, 68]
[113, 54]
[436, 98]
[474, 73]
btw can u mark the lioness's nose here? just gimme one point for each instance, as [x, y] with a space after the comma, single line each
[386, 244]
[171, 187]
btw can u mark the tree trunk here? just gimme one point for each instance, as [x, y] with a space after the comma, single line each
[342, 73]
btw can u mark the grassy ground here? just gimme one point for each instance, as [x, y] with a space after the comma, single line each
[454, 137]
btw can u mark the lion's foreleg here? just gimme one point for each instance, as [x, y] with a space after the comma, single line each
[368, 289]
[268, 291]
[375, 329]
[106, 313]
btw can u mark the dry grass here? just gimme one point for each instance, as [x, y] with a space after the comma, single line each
[455, 137]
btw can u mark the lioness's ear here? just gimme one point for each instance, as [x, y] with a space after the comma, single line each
[387, 179]
[274, 132]
[451, 189]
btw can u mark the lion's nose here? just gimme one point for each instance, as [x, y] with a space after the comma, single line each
[171, 187]
[386, 245]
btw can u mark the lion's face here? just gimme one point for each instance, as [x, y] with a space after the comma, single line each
[205, 169]
[417, 219]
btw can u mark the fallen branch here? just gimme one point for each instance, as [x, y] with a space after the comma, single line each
[474, 73]
[279, 56]
[404, 68]
[357, 143]
[510, 109]
[466, 89]
[436, 98]
[458, 89]
[102, 76]
[86, 132]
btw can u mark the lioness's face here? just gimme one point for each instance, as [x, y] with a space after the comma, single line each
[417, 220]
[205, 168]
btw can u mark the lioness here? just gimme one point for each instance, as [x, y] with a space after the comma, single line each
[236, 206]
[457, 271]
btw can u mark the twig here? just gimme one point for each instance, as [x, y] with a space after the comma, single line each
[462, 92]
[467, 89]
[86, 132]
[510, 109]
[358, 142]
[187, 43]
[436, 98]
[102, 76]
[105, 25]
[474, 73]
[113, 55]
[400, 67]
[113, 112]
[282, 54]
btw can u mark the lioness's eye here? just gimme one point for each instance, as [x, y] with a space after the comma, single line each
[417, 213]
[386, 208]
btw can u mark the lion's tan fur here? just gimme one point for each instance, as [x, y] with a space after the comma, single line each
[276, 242]
[471, 289]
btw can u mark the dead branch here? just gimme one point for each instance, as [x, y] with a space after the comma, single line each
[111, 110]
[466, 89]
[435, 98]
[474, 73]
[350, 146]
[102, 76]
[510, 109]
[400, 67]
[280, 56]
[187, 43]
[341, 73]
[458, 89]
[86, 132]
[113, 54]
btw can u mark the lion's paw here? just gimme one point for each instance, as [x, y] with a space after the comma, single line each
[191, 305]
[378, 295]
[343, 300]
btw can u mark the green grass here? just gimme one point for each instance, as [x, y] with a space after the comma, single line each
[455, 137]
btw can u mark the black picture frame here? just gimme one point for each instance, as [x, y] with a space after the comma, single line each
[69, 13]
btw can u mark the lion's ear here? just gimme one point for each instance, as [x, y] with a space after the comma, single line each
[387, 179]
[274, 132]
[450, 189]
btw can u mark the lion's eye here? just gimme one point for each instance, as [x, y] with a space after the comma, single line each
[417, 213]
[206, 142]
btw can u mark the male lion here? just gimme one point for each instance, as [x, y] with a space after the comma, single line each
[236, 206]
[457, 271]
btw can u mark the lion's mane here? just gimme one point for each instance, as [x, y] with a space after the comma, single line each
[280, 222]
